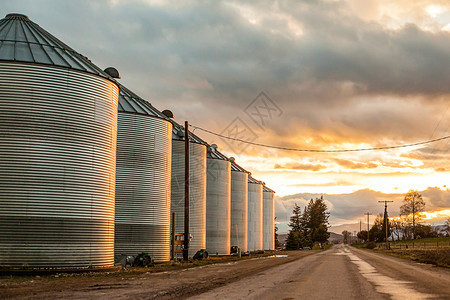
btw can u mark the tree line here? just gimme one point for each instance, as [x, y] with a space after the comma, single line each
[405, 227]
[308, 227]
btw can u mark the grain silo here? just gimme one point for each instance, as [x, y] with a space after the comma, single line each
[197, 193]
[58, 123]
[218, 202]
[255, 214]
[239, 206]
[268, 219]
[144, 156]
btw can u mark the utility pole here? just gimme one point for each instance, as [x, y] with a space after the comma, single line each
[368, 220]
[386, 221]
[172, 238]
[414, 219]
[186, 192]
[359, 225]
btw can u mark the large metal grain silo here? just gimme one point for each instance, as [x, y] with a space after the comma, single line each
[239, 206]
[197, 193]
[268, 219]
[255, 214]
[218, 202]
[58, 123]
[144, 156]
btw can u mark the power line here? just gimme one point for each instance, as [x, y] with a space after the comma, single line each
[320, 150]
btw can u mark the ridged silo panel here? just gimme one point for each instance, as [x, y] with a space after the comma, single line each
[255, 215]
[197, 194]
[57, 167]
[239, 209]
[144, 155]
[218, 206]
[268, 221]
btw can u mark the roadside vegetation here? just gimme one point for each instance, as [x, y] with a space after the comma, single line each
[434, 251]
[407, 237]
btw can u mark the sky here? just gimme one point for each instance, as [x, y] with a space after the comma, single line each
[311, 74]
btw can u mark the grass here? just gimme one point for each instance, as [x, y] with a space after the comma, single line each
[422, 243]
[438, 257]
[434, 251]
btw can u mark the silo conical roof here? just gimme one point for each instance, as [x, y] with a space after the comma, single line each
[178, 134]
[215, 154]
[253, 180]
[22, 40]
[131, 103]
[237, 168]
[266, 189]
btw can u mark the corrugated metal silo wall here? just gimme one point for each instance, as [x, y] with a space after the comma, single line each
[239, 209]
[197, 192]
[57, 167]
[144, 156]
[218, 206]
[255, 215]
[268, 221]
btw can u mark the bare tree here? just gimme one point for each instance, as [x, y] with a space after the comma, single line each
[447, 226]
[397, 227]
[412, 204]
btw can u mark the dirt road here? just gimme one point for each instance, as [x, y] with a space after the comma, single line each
[167, 285]
[341, 273]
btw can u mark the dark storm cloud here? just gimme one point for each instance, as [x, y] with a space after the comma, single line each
[209, 48]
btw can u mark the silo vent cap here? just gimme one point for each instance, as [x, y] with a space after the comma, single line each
[180, 133]
[111, 71]
[168, 113]
[213, 148]
[17, 16]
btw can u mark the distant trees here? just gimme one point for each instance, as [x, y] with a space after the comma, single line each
[447, 226]
[412, 204]
[310, 226]
[362, 235]
[397, 226]
[277, 242]
[377, 233]
[346, 235]
[406, 226]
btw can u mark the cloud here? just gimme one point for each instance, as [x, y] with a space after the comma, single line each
[305, 167]
[353, 165]
[350, 207]
[342, 78]
[344, 75]
[436, 199]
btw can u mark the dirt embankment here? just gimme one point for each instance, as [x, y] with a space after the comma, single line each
[140, 284]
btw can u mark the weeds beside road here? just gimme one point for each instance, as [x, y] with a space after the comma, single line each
[434, 251]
